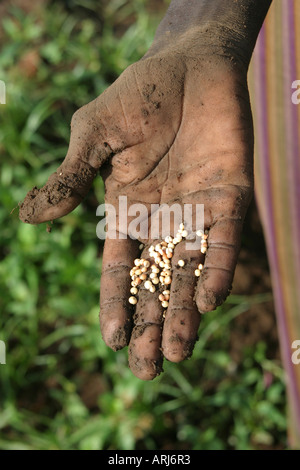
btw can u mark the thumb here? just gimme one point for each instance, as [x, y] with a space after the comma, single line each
[69, 184]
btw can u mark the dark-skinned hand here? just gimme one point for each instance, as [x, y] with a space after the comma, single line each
[170, 129]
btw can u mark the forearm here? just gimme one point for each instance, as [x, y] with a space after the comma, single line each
[229, 27]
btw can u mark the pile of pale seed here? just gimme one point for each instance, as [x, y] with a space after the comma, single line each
[159, 274]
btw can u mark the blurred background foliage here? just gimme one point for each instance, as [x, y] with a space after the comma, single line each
[61, 387]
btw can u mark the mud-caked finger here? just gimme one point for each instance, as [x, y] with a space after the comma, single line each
[115, 309]
[215, 282]
[182, 317]
[145, 356]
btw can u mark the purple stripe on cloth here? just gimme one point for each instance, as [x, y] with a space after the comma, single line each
[293, 155]
[262, 128]
[268, 213]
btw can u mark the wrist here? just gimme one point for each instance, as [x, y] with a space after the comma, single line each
[201, 27]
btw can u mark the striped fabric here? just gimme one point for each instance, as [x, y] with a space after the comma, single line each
[275, 66]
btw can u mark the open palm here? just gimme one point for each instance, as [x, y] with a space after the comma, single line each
[170, 130]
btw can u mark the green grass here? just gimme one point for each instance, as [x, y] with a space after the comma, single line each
[61, 387]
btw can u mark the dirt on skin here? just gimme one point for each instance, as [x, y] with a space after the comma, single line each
[149, 118]
[59, 189]
[139, 364]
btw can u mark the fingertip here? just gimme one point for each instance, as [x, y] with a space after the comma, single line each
[147, 369]
[208, 301]
[179, 337]
[115, 335]
[144, 352]
[37, 208]
[54, 200]
[178, 349]
[212, 290]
